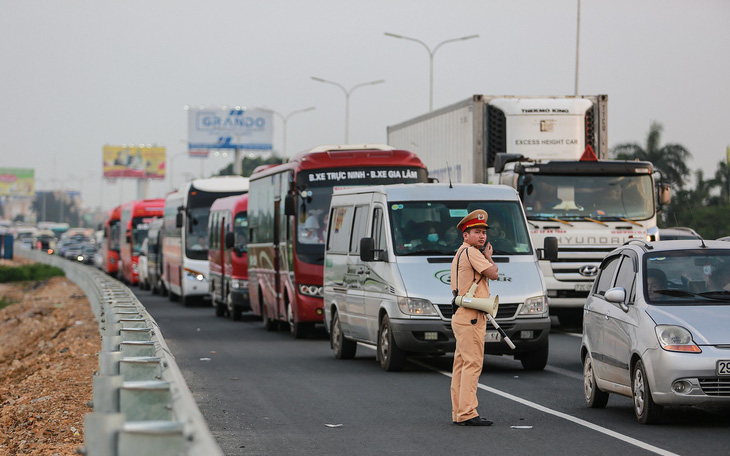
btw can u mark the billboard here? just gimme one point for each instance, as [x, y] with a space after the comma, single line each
[250, 129]
[17, 181]
[138, 162]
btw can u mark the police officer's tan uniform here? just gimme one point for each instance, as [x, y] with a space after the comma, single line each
[469, 326]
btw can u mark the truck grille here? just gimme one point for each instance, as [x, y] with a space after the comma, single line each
[504, 310]
[715, 386]
[571, 259]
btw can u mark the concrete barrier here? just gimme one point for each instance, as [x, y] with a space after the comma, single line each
[142, 404]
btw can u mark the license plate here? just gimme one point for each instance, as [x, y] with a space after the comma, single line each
[493, 336]
[583, 287]
[723, 367]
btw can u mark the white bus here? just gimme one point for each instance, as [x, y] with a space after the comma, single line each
[185, 235]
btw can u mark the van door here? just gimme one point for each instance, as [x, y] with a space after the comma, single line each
[380, 273]
[357, 272]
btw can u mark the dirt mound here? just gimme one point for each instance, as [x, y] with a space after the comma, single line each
[49, 340]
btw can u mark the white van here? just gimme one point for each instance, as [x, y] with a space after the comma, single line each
[387, 271]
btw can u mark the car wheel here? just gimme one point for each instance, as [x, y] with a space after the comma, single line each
[391, 357]
[595, 398]
[647, 412]
[536, 360]
[344, 348]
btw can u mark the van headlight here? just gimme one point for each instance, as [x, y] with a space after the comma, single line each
[537, 305]
[310, 290]
[416, 306]
[194, 275]
[676, 339]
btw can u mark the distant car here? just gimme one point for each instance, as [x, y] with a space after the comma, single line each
[655, 327]
[88, 252]
[74, 252]
[724, 238]
[677, 233]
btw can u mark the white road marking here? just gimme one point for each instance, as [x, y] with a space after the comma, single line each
[565, 416]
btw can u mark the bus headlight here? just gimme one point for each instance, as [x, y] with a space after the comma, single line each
[310, 290]
[194, 275]
[416, 306]
[537, 305]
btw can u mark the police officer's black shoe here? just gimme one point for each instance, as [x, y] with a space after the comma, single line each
[476, 421]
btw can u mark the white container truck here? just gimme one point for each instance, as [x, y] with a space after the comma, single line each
[543, 147]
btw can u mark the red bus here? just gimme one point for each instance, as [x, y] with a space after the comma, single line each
[228, 256]
[288, 207]
[135, 221]
[110, 243]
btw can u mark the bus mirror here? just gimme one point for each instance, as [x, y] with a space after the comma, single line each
[367, 249]
[179, 220]
[550, 252]
[289, 205]
[230, 239]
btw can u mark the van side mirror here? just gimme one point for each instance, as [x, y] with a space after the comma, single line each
[550, 250]
[664, 194]
[367, 249]
[230, 239]
[289, 205]
[179, 220]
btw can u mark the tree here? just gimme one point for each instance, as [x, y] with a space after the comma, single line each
[670, 159]
[722, 181]
[249, 164]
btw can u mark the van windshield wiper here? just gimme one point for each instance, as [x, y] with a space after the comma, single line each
[712, 295]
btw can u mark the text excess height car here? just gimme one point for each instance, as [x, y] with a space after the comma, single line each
[656, 327]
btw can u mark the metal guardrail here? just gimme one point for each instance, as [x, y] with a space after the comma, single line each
[142, 404]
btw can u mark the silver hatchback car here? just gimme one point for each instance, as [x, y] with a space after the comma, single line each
[656, 327]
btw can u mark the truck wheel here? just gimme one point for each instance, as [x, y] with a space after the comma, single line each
[595, 398]
[536, 360]
[391, 357]
[344, 348]
[647, 412]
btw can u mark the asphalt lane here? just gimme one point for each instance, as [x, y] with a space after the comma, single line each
[265, 393]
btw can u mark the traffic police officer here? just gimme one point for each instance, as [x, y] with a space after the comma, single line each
[469, 325]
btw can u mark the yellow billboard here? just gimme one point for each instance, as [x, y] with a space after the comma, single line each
[17, 181]
[134, 161]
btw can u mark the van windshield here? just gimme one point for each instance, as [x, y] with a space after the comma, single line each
[429, 227]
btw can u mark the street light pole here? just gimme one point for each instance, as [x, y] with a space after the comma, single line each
[172, 175]
[347, 99]
[284, 120]
[577, 50]
[431, 54]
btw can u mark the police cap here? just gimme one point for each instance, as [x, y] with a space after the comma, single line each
[475, 218]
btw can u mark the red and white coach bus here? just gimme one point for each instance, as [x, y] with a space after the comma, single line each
[185, 235]
[135, 222]
[287, 209]
[110, 247]
[228, 256]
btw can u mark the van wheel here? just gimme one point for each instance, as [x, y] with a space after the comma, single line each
[536, 360]
[647, 412]
[391, 357]
[234, 313]
[595, 398]
[297, 330]
[344, 348]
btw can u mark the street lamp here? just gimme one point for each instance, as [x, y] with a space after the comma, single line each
[431, 53]
[347, 100]
[284, 120]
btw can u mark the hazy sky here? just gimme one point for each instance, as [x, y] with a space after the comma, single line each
[78, 74]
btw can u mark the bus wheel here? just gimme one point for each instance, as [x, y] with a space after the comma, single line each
[391, 357]
[297, 330]
[234, 313]
[269, 323]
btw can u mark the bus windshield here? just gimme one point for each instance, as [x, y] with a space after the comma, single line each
[140, 227]
[315, 192]
[196, 230]
[114, 231]
[597, 197]
[429, 227]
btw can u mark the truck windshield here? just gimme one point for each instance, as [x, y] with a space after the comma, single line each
[429, 227]
[574, 197]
